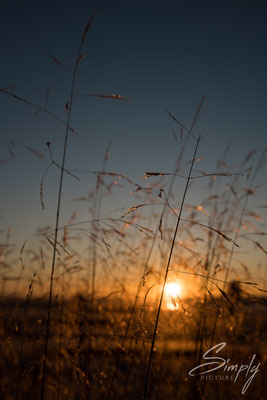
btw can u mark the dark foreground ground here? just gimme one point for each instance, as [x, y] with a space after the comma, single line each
[85, 348]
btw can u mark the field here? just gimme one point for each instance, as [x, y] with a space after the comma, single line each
[85, 349]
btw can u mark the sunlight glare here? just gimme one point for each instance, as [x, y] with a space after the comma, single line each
[172, 294]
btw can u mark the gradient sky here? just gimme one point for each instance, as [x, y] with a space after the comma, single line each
[162, 56]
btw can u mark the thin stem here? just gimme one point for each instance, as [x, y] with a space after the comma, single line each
[59, 374]
[78, 58]
[166, 273]
[38, 109]
[166, 204]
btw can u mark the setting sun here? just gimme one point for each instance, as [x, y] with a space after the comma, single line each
[173, 291]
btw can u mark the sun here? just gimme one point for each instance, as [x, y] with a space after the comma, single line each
[173, 291]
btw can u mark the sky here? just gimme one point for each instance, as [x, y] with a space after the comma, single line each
[162, 56]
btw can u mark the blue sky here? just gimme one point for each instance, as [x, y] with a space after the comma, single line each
[160, 56]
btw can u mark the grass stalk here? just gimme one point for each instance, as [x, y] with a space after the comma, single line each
[166, 273]
[48, 323]
[133, 307]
